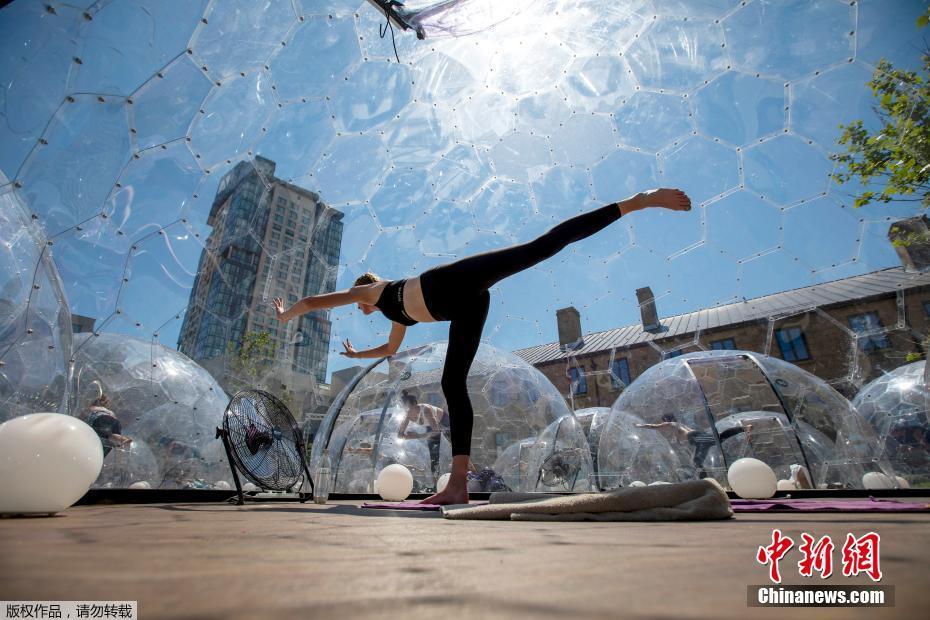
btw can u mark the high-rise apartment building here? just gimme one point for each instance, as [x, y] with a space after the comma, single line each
[270, 239]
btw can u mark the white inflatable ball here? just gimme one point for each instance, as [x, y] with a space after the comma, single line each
[752, 479]
[222, 485]
[395, 482]
[902, 483]
[786, 485]
[140, 484]
[442, 482]
[877, 480]
[47, 462]
[637, 483]
[248, 487]
[657, 482]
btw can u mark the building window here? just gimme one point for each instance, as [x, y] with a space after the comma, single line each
[579, 382]
[725, 343]
[865, 325]
[793, 344]
[620, 373]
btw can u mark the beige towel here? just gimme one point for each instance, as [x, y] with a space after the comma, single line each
[685, 501]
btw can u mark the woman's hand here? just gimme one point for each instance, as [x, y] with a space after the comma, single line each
[278, 304]
[350, 350]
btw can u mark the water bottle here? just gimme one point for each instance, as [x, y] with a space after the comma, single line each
[323, 480]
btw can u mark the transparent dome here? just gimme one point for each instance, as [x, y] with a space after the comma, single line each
[897, 405]
[691, 416]
[35, 322]
[523, 430]
[133, 464]
[593, 420]
[160, 398]
[121, 119]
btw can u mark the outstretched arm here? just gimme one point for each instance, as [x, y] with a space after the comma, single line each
[388, 348]
[353, 295]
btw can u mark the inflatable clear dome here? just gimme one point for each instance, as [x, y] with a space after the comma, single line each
[593, 420]
[524, 437]
[158, 397]
[35, 322]
[692, 416]
[897, 406]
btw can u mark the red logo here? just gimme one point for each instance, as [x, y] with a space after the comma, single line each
[817, 556]
[860, 555]
[773, 553]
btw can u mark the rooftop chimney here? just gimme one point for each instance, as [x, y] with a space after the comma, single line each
[569, 321]
[911, 239]
[647, 308]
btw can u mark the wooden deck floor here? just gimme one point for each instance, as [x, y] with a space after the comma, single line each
[283, 560]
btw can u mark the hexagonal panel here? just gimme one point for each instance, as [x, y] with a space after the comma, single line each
[623, 174]
[113, 61]
[296, 137]
[401, 189]
[820, 104]
[502, 208]
[819, 37]
[245, 103]
[786, 169]
[351, 169]
[583, 140]
[67, 180]
[702, 168]
[739, 108]
[332, 44]
[597, 83]
[43, 44]
[743, 225]
[805, 227]
[445, 228]
[164, 107]
[520, 156]
[373, 94]
[652, 121]
[678, 55]
[241, 36]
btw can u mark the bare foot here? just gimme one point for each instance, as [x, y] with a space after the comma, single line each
[448, 496]
[667, 198]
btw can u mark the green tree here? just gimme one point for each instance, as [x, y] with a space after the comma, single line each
[893, 162]
[252, 362]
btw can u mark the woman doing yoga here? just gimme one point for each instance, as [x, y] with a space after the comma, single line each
[458, 292]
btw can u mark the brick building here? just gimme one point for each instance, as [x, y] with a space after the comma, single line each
[847, 332]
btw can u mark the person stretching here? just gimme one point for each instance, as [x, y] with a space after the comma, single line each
[458, 292]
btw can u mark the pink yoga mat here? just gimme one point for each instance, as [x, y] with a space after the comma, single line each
[823, 505]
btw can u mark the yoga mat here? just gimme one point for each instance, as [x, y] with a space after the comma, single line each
[822, 505]
[412, 505]
[409, 505]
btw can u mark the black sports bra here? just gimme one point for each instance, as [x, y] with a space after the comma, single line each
[391, 303]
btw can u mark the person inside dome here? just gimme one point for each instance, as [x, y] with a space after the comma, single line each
[436, 421]
[458, 292]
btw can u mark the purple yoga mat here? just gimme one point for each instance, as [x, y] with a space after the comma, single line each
[410, 505]
[823, 505]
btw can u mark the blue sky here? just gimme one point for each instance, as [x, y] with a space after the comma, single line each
[468, 144]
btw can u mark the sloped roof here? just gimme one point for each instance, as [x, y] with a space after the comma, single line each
[786, 303]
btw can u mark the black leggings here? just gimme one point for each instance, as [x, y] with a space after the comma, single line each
[458, 292]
